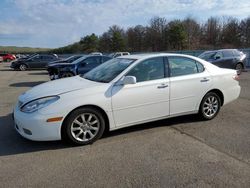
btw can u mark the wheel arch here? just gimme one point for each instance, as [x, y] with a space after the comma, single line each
[24, 63]
[107, 125]
[218, 92]
[239, 62]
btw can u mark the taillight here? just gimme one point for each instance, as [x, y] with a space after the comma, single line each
[236, 77]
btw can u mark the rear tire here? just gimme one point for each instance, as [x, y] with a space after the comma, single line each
[210, 106]
[23, 67]
[83, 126]
[239, 68]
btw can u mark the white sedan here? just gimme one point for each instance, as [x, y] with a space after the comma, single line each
[122, 92]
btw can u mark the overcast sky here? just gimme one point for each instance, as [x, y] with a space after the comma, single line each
[55, 23]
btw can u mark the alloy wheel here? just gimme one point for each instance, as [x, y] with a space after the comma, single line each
[211, 106]
[23, 67]
[85, 127]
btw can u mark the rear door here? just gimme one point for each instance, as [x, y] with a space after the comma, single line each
[189, 81]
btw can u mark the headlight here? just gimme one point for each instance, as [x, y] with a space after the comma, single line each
[38, 104]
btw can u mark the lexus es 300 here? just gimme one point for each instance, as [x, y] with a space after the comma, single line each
[122, 92]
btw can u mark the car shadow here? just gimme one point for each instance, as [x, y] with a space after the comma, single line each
[26, 84]
[11, 143]
[160, 123]
[7, 70]
[38, 73]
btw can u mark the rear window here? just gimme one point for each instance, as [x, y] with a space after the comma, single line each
[237, 53]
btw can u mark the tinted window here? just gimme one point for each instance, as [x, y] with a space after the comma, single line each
[47, 57]
[180, 66]
[150, 69]
[218, 55]
[207, 55]
[228, 53]
[92, 60]
[237, 53]
[117, 55]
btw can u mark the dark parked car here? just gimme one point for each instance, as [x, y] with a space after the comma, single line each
[66, 60]
[7, 57]
[226, 58]
[38, 61]
[80, 66]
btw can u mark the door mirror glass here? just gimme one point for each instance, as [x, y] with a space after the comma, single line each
[217, 57]
[129, 80]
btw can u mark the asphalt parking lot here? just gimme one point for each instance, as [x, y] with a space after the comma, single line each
[177, 152]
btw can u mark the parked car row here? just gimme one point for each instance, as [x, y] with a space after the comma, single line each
[79, 66]
[226, 58]
[37, 61]
[6, 57]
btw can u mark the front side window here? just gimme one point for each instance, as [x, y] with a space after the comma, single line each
[207, 55]
[218, 55]
[180, 66]
[151, 69]
[92, 60]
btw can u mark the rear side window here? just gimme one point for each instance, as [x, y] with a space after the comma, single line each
[228, 53]
[237, 53]
[180, 66]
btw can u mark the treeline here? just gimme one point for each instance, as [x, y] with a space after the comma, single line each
[163, 35]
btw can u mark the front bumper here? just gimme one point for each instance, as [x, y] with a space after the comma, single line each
[33, 126]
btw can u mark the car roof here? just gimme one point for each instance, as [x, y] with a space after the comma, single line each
[151, 55]
[210, 51]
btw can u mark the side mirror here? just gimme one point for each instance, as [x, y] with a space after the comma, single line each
[129, 80]
[217, 57]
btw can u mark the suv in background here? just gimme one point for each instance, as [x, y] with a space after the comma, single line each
[117, 54]
[7, 57]
[226, 58]
[79, 66]
[38, 61]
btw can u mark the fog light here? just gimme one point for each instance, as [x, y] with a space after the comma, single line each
[26, 131]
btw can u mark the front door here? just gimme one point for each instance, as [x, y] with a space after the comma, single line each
[145, 100]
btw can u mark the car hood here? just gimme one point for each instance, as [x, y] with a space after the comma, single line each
[57, 62]
[57, 87]
[60, 64]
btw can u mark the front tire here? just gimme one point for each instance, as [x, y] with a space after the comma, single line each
[83, 126]
[210, 106]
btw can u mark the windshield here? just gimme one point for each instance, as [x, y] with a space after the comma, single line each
[79, 59]
[72, 58]
[107, 71]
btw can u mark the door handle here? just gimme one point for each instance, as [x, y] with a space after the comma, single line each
[162, 86]
[205, 80]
